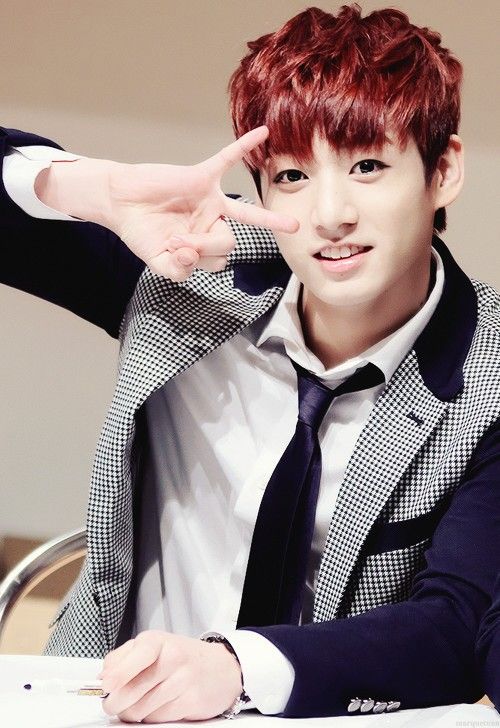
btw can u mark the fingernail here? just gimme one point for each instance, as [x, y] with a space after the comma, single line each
[185, 259]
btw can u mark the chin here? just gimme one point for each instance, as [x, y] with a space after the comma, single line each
[340, 296]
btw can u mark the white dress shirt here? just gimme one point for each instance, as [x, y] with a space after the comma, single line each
[20, 170]
[214, 436]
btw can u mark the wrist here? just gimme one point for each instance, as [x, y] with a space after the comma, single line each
[230, 667]
[80, 188]
[238, 697]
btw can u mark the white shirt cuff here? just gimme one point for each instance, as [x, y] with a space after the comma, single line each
[20, 170]
[268, 675]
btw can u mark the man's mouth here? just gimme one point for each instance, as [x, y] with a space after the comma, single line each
[337, 252]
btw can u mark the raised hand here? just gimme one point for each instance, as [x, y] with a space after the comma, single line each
[168, 215]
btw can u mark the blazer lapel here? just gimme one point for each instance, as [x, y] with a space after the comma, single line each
[185, 322]
[168, 328]
[404, 417]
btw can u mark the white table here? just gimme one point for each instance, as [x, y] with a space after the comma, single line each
[20, 708]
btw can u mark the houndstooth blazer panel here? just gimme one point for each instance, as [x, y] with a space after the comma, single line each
[384, 578]
[167, 328]
[409, 460]
[411, 454]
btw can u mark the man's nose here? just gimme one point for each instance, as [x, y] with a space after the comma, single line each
[333, 211]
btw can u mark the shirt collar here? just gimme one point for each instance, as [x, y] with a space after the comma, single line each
[386, 354]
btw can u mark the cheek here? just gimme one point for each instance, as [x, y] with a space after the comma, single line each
[288, 245]
[405, 217]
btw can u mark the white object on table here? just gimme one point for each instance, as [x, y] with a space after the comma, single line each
[20, 708]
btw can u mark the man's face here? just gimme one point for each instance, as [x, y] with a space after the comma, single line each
[366, 222]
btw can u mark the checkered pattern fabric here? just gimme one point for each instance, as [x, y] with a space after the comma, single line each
[392, 477]
[383, 578]
[402, 466]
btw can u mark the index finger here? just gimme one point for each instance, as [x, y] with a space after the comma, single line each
[255, 215]
[234, 153]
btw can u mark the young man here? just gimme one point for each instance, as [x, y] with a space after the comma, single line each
[354, 549]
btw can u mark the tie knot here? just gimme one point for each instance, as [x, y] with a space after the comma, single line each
[315, 398]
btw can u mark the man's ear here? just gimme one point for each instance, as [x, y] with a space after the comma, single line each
[449, 175]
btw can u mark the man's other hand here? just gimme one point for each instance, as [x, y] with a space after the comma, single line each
[168, 215]
[160, 677]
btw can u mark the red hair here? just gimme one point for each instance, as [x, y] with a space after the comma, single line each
[349, 78]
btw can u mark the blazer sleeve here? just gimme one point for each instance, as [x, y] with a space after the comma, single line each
[421, 651]
[80, 266]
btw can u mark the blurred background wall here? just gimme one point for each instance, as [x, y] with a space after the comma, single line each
[146, 81]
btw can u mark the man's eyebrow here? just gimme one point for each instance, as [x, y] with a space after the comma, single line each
[390, 141]
[280, 160]
[288, 156]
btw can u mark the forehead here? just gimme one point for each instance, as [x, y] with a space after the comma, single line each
[323, 149]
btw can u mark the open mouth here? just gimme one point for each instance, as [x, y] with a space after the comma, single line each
[341, 252]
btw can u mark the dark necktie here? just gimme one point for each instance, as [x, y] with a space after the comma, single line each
[281, 543]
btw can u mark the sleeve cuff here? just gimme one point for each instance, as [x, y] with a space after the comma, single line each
[20, 170]
[267, 674]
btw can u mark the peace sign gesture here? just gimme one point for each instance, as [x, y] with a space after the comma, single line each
[169, 216]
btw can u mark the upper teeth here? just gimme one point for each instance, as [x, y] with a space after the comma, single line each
[343, 252]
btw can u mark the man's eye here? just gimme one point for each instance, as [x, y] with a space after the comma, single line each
[368, 166]
[289, 175]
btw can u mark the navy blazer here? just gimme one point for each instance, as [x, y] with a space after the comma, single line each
[420, 650]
